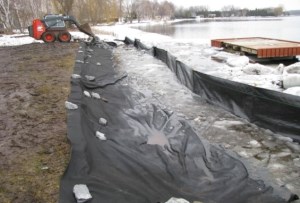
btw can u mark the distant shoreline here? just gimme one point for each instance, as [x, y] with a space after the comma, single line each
[198, 19]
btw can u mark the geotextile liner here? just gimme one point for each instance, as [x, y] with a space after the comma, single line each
[150, 155]
[270, 109]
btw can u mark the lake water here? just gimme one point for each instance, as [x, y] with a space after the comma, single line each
[287, 28]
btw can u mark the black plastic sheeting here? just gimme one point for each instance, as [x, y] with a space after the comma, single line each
[269, 109]
[150, 155]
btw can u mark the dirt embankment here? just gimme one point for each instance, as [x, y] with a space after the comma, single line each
[34, 151]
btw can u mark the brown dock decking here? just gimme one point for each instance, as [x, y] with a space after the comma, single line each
[261, 47]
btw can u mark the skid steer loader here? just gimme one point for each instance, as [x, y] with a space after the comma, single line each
[52, 27]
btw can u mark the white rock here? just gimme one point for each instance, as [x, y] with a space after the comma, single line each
[70, 105]
[98, 64]
[75, 76]
[89, 77]
[79, 61]
[44, 168]
[103, 121]
[100, 136]
[177, 200]
[86, 93]
[96, 95]
[197, 119]
[82, 193]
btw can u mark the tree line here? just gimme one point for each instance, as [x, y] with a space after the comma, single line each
[228, 11]
[18, 14]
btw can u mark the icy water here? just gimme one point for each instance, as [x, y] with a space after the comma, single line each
[282, 28]
[275, 154]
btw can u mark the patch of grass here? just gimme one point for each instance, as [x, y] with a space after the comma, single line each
[30, 181]
[29, 60]
[44, 70]
[67, 63]
[44, 89]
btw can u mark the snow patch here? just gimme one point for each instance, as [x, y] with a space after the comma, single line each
[238, 61]
[227, 124]
[293, 91]
[16, 40]
[177, 200]
[258, 69]
[291, 76]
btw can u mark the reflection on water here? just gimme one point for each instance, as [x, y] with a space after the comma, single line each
[161, 29]
[284, 28]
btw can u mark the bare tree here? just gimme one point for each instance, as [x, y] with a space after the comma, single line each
[24, 11]
[166, 10]
[120, 11]
[154, 9]
[129, 9]
[146, 7]
[230, 10]
[17, 8]
[199, 11]
[5, 13]
[80, 10]
[63, 6]
[244, 12]
[278, 11]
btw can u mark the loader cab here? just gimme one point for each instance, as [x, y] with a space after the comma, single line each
[53, 22]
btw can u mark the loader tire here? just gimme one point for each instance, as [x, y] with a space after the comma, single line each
[64, 37]
[48, 37]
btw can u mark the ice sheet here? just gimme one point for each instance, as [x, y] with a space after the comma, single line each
[261, 147]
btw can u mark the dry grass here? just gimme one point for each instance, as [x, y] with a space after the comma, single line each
[37, 151]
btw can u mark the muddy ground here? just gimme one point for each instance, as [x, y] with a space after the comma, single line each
[34, 150]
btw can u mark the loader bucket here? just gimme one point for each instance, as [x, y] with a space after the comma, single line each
[85, 28]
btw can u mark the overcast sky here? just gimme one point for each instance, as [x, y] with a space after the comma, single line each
[251, 4]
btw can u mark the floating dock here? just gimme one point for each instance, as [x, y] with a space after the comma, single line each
[260, 47]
